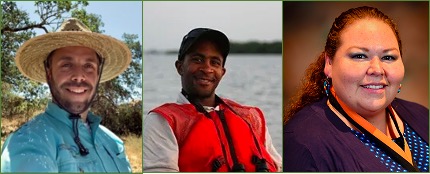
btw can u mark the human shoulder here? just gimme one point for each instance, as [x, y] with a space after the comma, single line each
[166, 105]
[310, 134]
[315, 125]
[313, 117]
[173, 112]
[415, 115]
[37, 126]
[244, 110]
[109, 139]
[397, 103]
[411, 112]
[110, 135]
[236, 104]
[36, 139]
[41, 132]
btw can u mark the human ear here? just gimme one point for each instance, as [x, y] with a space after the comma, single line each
[178, 65]
[48, 70]
[328, 65]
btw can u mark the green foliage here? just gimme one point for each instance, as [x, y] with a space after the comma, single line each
[124, 119]
[12, 17]
[15, 31]
[132, 77]
[17, 106]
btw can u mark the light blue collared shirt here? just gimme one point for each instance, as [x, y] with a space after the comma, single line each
[45, 144]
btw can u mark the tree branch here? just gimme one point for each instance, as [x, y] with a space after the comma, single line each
[13, 30]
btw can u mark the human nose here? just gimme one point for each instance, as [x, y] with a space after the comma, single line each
[207, 67]
[375, 67]
[78, 74]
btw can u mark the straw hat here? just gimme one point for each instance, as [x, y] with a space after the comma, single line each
[72, 32]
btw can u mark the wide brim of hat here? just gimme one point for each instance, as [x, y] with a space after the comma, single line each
[30, 56]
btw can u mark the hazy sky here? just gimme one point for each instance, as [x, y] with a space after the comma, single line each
[165, 23]
[118, 17]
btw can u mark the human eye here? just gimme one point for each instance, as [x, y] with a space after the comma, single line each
[197, 59]
[358, 56]
[389, 58]
[216, 62]
[89, 66]
[66, 65]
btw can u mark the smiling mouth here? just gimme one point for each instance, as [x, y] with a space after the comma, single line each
[77, 91]
[204, 81]
[373, 86]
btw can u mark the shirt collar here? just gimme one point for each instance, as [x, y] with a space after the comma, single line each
[183, 100]
[55, 112]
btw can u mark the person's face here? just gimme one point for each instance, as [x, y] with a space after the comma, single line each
[367, 68]
[73, 75]
[201, 69]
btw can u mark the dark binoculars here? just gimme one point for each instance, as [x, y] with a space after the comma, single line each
[238, 168]
[260, 164]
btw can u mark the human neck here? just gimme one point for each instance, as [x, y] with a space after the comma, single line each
[203, 100]
[83, 115]
[208, 101]
[379, 120]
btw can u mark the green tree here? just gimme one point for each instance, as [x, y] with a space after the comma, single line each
[119, 117]
[257, 47]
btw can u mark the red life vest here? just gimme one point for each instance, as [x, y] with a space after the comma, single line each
[201, 139]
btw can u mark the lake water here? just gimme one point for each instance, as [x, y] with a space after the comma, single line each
[250, 79]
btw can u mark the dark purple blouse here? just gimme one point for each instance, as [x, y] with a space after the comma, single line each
[315, 139]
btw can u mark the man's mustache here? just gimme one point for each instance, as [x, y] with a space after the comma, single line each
[76, 84]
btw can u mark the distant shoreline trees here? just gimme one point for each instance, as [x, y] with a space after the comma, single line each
[251, 47]
[256, 47]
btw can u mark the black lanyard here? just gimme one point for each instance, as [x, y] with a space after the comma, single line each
[400, 141]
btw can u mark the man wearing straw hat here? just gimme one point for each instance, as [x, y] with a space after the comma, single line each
[67, 137]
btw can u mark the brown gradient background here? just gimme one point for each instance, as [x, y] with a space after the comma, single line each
[306, 25]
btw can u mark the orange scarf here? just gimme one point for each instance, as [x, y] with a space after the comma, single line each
[373, 130]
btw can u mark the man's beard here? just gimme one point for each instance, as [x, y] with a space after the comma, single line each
[72, 107]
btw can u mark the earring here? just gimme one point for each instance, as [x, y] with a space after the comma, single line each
[327, 86]
[400, 88]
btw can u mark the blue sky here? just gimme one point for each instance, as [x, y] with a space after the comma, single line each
[118, 16]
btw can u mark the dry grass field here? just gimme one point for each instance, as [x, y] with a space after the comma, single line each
[133, 149]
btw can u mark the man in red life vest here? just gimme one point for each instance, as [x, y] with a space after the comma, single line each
[202, 132]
